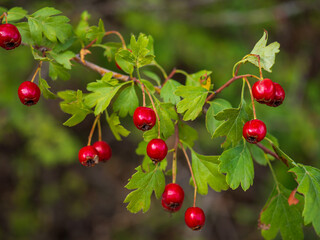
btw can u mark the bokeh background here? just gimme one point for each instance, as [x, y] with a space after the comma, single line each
[46, 194]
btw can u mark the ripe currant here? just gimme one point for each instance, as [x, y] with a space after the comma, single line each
[254, 131]
[157, 150]
[263, 91]
[10, 37]
[279, 96]
[104, 150]
[172, 197]
[29, 93]
[88, 156]
[144, 118]
[194, 218]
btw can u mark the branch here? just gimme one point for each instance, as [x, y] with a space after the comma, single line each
[273, 154]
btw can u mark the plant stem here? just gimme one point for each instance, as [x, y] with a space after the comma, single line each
[169, 76]
[273, 175]
[106, 34]
[227, 84]
[37, 70]
[259, 63]
[92, 129]
[273, 154]
[5, 17]
[99, 130]
[252, 99]
[161, 69]
[192, 175]
[142, 89]
[174, 158]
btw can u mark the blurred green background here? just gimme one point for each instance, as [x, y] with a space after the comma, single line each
[46, 194]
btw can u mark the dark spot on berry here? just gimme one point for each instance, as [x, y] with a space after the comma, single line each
[173, 205]
[197, 228]
[145, 127]
[90, 163]
[276, 103]
[252, 139]
[29, 102]
[10, 44]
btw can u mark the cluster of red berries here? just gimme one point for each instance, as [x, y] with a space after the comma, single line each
[144, 118]
[91, 155]
[264, 92]
[10, 38]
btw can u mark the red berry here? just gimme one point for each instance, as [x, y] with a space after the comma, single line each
[104, 150]
[29, 93]
[10, 37]
[263, 91]
[88, 156]
[172, 197]
[194, 218]
[254, 131]
[157, 150]
[279, 96]
[144, 118]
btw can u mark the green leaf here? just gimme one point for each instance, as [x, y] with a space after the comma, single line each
[117, 129]
[102, 94]
[258, 155]
[194, 99]
[141, 50]
[167, 91]
[63, 58]
[166, 112]
[73, 104]
[126, 60]
[24, 30]
[83, 25]
[267, 53]
[38, 57]
[96, 32]
[187, 134]
[195, 78]
[46, 12]
[110, 49]
[35, 27]
[216, 106]
[234, 119]
[277, 216]
[144, 183]
[308, 179]
[153, 76]
[44, 87]
[126, 102]
[151, 134]
[237, 164]
[16, 13]
[205, 170]
[56, 70]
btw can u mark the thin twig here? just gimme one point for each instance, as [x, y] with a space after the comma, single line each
[92, 129]
[37, 70]
[169, 76]
[252, 99]
[273, 154]
[106, 34]
[191, 172]
[174, 158]
[99, 130]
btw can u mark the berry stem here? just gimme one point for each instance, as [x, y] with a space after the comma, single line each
[155, 110]
[99, 130]
[161, 69]
[37, 70]
[106, 34]
[252, 99]
[142, 88]
[259, 63]
[169, 76]
[191, 172]
[273, 175]
[5, 16]
[174, 158]
[92, 129]
[227, 84]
